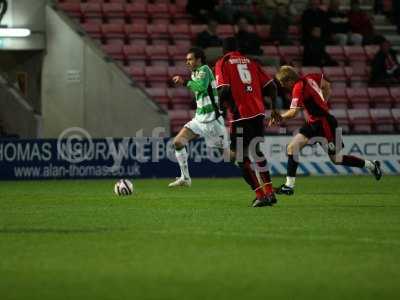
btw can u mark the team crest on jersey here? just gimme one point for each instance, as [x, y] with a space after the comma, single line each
[249, 88]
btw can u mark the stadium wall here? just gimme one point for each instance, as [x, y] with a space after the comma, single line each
[81, 87]
[17, 115]
[154, 158]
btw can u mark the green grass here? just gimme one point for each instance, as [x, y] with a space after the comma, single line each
[337, 238]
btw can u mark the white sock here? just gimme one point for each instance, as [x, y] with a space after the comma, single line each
[182, 157]
[369, 165]
[290, 181]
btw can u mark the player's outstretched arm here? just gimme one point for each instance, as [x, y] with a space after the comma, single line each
[290, 114]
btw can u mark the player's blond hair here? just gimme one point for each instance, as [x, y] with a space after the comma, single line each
[286, 74]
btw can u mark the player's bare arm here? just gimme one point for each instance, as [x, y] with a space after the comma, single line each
[326, 89]
[290, 114]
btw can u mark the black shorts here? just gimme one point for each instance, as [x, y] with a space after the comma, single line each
[248, 130]
[325, 133]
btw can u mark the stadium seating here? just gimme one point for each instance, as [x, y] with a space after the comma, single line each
[396, 118]
[161, 96]
[380, 97]
[360, 120]
[181, 98]
[342, 118]
[338, 98]
[358, 97]
[382, 120]
[178, 117]
[150, 38]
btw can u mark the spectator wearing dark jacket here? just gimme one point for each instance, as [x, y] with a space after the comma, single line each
[339, 28]
[280, 26]
[314, 53]
[201, 9]
[208, 37]
[249, 42]
[314, 16]
[385, 66]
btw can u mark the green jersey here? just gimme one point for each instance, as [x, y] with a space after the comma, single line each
[204, 87]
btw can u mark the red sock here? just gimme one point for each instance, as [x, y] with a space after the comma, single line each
[251, 178]
[265, 176]
[353, 161]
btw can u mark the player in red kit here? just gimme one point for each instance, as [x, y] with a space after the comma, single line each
[242, 85]
[310, 93]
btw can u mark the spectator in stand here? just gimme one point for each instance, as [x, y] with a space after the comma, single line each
[314, 53]
[339, 27]
[265, 9]
[385, 68]
[231, 10]
[280, 26]
[208, 37]
[201, 10]
[361, 22]
[313, 16]
[249, 42]
[396, 14]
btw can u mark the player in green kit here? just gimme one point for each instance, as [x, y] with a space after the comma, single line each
[208, 122]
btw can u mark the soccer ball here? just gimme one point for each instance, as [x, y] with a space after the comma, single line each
[123, 187]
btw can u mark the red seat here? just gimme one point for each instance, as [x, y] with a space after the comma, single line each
[179, 32]
[358, 75]
[263, 31]
[160, 95]
[290, 53]
[178, 53]
[158, 11]
[396, 118]
[135, 55]
[360, 120]
[358, 97]
[395, 93]
[136, 33]
[136, 11]
[180, 71]
[196, 29]
[355, 55]
[113, 32]
[271, 52]
[310, 70]
[114, 12]
[92, 11]
[157, 76]
[383, 120]
[137, 74]
[342, 118]
[159, 34]
[337, 53]
[179, 14]
[294, 32]
[115, 51]
[270, 70]
[224, 31]
[338, 98]
[93, 30]
[335, 74]
[181, 97]
[380, 97]
[73, 9]
[158, 54]
[178, 118]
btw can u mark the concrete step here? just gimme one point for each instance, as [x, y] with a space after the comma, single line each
[385, 29]
[394, 39]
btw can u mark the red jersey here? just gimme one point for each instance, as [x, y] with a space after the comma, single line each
[307, 94]
[246, 79]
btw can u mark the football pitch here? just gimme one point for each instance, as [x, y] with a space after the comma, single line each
[336, 238]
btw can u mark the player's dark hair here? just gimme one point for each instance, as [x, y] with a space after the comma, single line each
[198, 53]
[230, 44]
